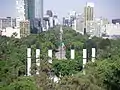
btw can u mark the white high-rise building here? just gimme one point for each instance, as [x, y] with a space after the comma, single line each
[78, 24]
[20, 12]
[88, 15]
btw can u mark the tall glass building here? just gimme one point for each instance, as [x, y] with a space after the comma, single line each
[37, 8]
[33, 9]
[34, 13]
[29, 9]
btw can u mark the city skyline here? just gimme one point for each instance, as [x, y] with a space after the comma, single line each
[105, 8]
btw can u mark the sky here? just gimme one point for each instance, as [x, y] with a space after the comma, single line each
[106, 8]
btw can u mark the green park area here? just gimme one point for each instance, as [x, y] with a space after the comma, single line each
[103, 74]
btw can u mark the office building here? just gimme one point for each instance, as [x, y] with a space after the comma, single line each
[89, 12]
[24, 28]
[41, 11]
[46, 23]
[35, 25]
[65, 21]
[55, 21]
[20, 12]
[22, 31]
[88, 15]
[114, 21]
[29, 9]
[7, 22]
[112, 31]
[34, 11]
[78, 24]
[49, 13]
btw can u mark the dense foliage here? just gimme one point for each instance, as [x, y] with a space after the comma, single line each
[104, 74]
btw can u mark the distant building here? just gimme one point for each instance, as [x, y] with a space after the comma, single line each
[65, 21]
[24, 28]
[49, 13]
[29, 9]
[69, 20]
[35, 26]
[11, 32]
[34, 11]
[20, 12]
[51, 22]
[56, 21]
[112, 31]
[23, 31]
[88, 14]
[114, 21]
[97, 26]
[78, 24]
[72, 14]
[7, 22]
[33, 14]
[46, 23]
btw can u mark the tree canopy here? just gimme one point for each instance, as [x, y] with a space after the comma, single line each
[104, 74]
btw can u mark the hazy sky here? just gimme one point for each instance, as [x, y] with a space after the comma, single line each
[105, 8]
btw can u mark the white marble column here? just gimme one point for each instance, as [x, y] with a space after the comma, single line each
[37, 60]
[72, 54]
[93, 54]
[50, 56]
[84, 59]
[28, 61]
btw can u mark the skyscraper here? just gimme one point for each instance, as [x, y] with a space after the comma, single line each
[89, 11]
[88, 15]
[20, 12]
[34, 10]
[29, 9]
[41, 12]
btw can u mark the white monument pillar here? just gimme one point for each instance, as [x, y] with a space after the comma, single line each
[47, 25]
[84, 59]
[72, 54]
[37, 60]
[28, 61]
[50, 55]
[93, 54]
